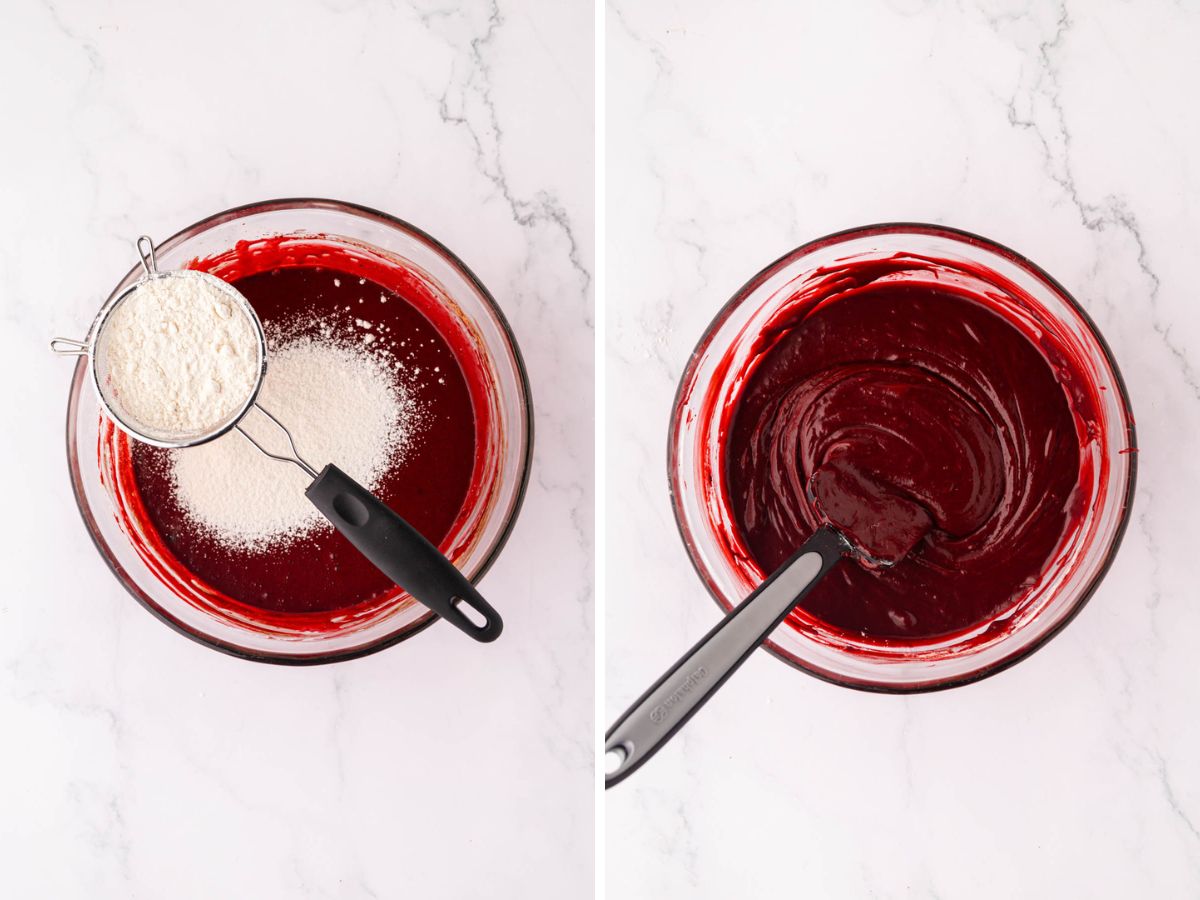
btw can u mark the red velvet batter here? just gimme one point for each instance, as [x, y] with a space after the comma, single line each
[315, 583]
[929, 429]
[324, 571]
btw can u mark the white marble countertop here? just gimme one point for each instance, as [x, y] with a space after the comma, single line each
[137, 764]
[1068, 133]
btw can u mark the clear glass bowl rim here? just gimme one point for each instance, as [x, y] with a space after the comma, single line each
[414, 628]
[954, 234]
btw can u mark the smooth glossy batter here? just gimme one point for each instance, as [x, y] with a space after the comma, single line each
[932, 432]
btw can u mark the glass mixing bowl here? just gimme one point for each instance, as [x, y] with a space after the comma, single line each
[498, 484]
[719, 367]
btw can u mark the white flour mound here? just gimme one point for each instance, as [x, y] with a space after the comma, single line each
[340, 403]
[178, 357]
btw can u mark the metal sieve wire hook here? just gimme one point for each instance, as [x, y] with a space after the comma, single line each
[146, 252]
[295, 458]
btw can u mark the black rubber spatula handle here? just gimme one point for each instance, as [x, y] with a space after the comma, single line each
[401, 552]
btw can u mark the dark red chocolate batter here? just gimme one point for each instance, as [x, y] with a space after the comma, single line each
[323, 571]
[932, 432]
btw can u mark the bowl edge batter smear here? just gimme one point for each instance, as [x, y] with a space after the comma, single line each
[336, 254]
[930, 379]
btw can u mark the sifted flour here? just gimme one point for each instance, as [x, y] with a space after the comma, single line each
[177, 357]
[341, 403]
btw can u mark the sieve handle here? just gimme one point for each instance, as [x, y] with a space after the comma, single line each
[401, 552]
[678, 695]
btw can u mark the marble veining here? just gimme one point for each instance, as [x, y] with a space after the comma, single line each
[138, 764]
[1064, 130]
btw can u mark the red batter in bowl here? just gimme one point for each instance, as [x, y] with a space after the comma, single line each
[915, 373]
[322, 572]
[898, 376]
[460, 482]
[287, 281]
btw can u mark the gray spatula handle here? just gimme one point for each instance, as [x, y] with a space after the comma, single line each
[401, 552]
[679, 694]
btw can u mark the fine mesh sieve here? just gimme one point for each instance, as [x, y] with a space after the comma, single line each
[95, 348]
[395, 547]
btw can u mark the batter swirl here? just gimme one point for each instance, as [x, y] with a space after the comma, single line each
[927, 427]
